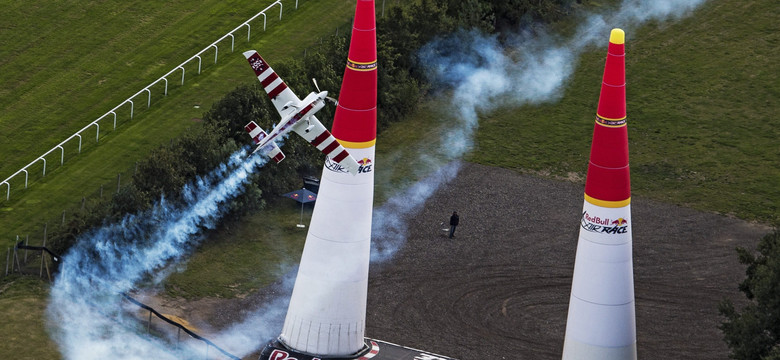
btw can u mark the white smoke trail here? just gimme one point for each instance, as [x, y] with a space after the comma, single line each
[83, 311]
[480, 75]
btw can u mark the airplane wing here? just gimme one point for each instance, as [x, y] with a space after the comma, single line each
[312, 130]
[281, 96]
[257, 134]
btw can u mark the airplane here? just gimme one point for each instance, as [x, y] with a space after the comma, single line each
[296, 115]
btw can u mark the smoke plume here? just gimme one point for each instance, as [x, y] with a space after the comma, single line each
[84, 312]
[480, 74]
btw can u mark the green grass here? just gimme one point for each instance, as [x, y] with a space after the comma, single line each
[406, 155]
[99, 164]
[23, 300]
[242, 258]
[65, 64]
[702, 96]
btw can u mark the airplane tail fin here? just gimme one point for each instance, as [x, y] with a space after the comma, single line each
[271, 150]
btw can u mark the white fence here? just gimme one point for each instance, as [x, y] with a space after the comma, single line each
[148, 91]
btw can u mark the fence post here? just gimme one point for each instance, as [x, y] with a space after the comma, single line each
[16, 258]
[26, 242]
[7, 259]
[42, 257]
[118, 181]
[48, 273]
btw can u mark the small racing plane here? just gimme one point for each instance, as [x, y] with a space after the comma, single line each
[297, 116]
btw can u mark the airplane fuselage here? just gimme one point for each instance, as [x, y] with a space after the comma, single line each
[313, 103]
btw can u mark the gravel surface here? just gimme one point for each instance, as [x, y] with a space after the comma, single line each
[500, 288]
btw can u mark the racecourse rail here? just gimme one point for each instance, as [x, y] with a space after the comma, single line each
[147, 89]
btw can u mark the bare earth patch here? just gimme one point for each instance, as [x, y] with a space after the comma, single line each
[500, 289]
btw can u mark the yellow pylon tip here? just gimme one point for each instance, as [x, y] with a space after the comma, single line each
[617, 36]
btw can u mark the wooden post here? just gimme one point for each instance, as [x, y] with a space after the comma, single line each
[16, 257]
[7, 259]
[45, 230]
[42, 258]
[48, 273]
[26, 242]
[25, 251]
[118, 181]
[63, 217]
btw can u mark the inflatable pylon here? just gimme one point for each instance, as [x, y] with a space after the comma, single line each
[327, 311]
[601, 323]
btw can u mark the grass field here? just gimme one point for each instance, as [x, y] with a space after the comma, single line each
[244, 257]
[152, 55]
[23, 302]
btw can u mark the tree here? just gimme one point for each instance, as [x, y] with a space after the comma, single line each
[754, 332]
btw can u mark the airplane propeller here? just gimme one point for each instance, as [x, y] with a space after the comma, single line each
[334, 101]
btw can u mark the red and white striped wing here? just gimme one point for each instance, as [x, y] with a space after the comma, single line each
[312, 130]
[276, 89]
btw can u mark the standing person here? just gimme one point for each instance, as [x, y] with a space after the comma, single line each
[454, 219]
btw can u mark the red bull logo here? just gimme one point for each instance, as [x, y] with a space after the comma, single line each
[619, 221]
[601, 225]
[364, 161]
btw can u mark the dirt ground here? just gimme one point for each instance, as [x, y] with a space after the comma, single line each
[500, 289]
